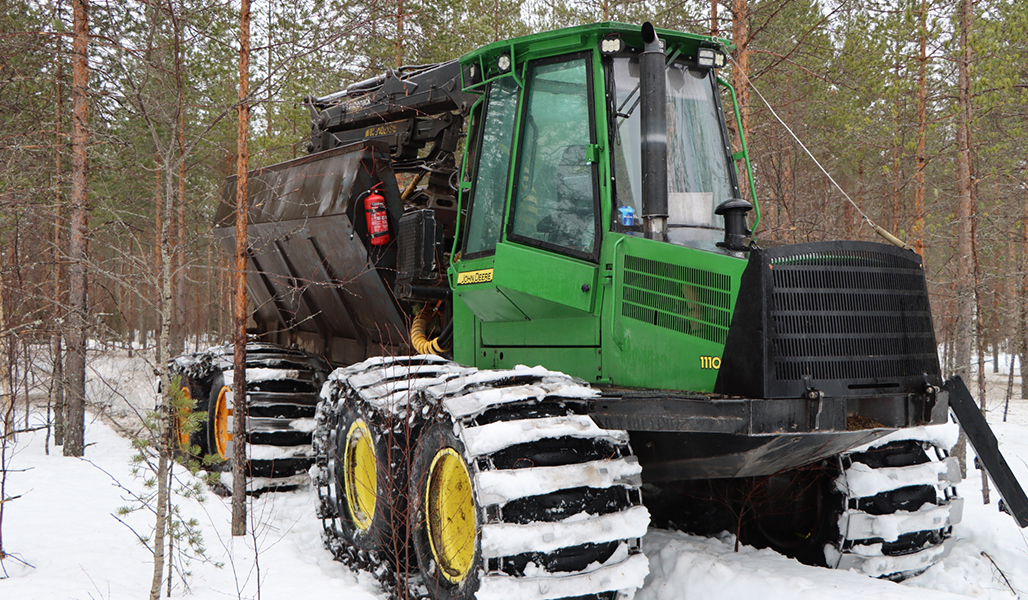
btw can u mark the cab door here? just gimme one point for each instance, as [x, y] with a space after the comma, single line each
[531, 287]
[549, 256]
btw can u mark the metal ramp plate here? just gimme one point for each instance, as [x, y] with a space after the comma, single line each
[987, 448]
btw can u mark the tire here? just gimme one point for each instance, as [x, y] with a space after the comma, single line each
[282, 395]
[219, 425]
[886, 510]
[899, 507]
[795, 512]
[195, 383]
[516, 493]
[558, 468]
[193, 445]
[363, 441]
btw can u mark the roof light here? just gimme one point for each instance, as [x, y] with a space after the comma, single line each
[611, 44]
[503, 63]
[710, 58]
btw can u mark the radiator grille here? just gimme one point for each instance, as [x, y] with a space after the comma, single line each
[850, 315]
[683, 299]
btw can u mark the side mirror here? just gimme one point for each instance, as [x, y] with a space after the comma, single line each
[734, 211]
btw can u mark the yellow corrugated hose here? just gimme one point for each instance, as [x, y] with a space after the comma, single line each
[418, 339]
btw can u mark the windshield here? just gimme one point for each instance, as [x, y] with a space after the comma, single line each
[698, 167]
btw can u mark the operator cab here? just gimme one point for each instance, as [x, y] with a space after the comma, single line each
[700, 173]
[568, 253]
[572, 166]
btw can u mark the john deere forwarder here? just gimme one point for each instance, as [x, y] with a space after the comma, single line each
[591, 222]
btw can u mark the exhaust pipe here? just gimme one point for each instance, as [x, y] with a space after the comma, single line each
[653, 102]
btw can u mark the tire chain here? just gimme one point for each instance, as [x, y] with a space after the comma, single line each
[926, 481]
[425, 384]
[305, 370]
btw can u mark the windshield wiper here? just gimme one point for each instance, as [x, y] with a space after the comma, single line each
[622, 115]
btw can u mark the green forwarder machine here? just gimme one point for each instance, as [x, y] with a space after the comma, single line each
[570, 201]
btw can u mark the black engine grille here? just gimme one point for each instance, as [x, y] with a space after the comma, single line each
[855, 315]
[842, 317]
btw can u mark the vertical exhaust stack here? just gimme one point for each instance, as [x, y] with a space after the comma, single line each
[652, 107]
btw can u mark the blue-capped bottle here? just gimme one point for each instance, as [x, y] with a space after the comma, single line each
[627, 214]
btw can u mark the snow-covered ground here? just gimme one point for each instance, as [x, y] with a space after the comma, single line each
[69, 540]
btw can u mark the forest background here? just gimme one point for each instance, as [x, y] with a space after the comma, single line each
[918, 109]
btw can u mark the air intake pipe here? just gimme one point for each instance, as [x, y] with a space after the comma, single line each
[653, 102]
[734, 211]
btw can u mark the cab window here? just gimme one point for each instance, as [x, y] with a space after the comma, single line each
[555, 204]
[489, 184]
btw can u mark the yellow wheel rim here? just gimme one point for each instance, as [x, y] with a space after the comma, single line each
[222, 411]
[450, 515]
[360, 478]
[181, 417]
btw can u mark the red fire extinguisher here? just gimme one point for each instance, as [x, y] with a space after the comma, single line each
[378, 221]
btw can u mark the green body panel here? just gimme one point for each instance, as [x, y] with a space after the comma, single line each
[645, 314]
[582, 331]
[579, 362]
[465, 332]
[666, 312]
[483, 300]
[573, 39]
[544, 284]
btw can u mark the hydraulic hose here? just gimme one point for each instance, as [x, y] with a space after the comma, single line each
[418, 337]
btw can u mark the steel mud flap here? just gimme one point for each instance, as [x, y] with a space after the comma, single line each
[987, 448]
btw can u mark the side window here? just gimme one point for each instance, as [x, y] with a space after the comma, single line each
[555, 204]
[489, 188]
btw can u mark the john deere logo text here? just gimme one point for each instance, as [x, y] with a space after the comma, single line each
[480, 276]
[710, 362]
[380, 130]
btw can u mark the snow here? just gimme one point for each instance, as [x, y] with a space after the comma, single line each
[632, 571]
[508, 539]
[686, 566]
[65, 525]
[473, 403]
[62, 521]
[861, 480]
[860, 525]
[257, 375]
[943, 436]
[491, 437]
[868, 559]
[495, 487]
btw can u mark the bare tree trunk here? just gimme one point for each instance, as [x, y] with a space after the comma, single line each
[967, 213]
[922, 129]
[163, 443]
[896, 150]
[740, 72]
[1023, 295]
[1022, 345]
[239, 325]
[399, 33]
[965, 291]
[6, 387]
[740, 35]
[56, 346]
[6, 413]
[178, 344]
[74, 443]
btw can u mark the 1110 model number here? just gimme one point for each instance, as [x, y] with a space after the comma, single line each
[710, 362]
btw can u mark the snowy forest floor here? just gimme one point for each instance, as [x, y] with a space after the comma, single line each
[70, 539]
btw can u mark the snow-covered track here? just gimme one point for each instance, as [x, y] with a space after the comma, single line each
[899, 505]
[282, 387]
[504, 486]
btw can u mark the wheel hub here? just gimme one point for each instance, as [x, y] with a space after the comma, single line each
[222, 411]
[182, 414]
[450, 515]
[360, 479]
